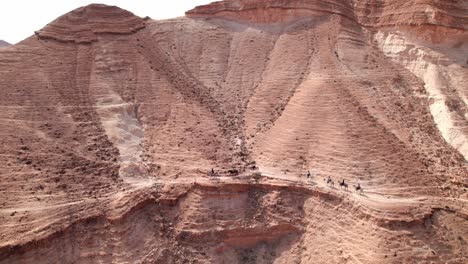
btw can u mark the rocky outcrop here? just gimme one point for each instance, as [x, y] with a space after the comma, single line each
[241, 222]
[265, 11]
[371, 13]
[83, 25]
[388, 13]
[432, 20]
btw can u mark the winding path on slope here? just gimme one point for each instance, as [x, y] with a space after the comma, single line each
[368, 198]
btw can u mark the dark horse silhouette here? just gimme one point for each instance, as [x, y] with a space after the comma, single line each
[344, 185]
[359, 188]
[212, 172]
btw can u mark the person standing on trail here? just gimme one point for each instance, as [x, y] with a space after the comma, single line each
[308, 174]
[212, 172]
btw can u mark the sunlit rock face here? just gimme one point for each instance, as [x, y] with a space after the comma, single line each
[112, 125]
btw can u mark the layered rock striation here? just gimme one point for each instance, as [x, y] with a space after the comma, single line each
[370, 13]
[112, 124]
[83, 25]
[413, 33]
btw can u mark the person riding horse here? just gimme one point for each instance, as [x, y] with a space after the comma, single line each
[359, 188]
[344, 185]
[330, 181]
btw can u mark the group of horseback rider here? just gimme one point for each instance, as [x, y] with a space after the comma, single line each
[343, 184]
[329, 181]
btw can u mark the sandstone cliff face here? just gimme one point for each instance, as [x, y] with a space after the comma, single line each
[83, 25]
[111, 123]
[265, 11]
[431, 29]
[371, 13]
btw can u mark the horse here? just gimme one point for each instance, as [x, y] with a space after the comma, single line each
[212, 172]
[344, 185]
[359, 188]
[330, 182]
